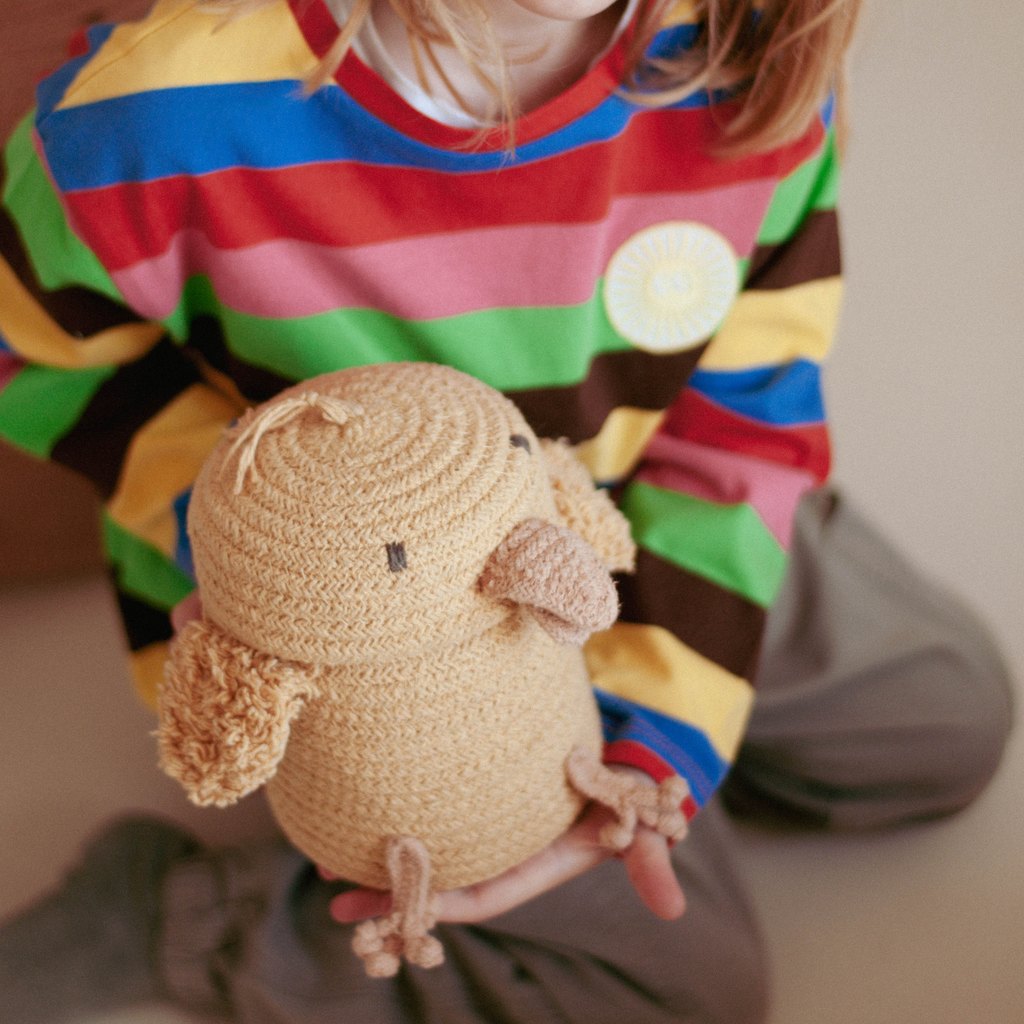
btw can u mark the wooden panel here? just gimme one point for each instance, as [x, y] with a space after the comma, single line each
[48, 515]
[33, 36]
[49, 520]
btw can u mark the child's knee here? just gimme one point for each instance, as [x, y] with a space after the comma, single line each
[972, 739]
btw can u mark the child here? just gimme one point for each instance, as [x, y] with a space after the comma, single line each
[561, 200]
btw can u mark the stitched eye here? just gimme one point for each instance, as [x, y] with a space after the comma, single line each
[396, 557]
[518, 441]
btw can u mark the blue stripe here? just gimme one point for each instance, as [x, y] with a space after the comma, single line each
[784, 396]
[4, 346]
[50, 90]
[671, 42]
[683, 746]
[268, 125]
[183, 547]
[828, 111]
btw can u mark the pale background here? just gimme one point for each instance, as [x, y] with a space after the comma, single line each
[924, 926]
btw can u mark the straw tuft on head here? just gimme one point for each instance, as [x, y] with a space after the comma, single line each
[334, 410]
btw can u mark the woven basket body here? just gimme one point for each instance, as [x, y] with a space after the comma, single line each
[462, 748]
[356, 548]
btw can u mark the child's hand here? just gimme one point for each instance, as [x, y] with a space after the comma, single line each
[578, 850]
[185, 611]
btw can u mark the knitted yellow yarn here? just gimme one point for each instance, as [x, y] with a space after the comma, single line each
[344, 528]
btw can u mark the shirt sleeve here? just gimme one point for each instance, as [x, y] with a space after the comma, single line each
[88, 383]
[712, 501]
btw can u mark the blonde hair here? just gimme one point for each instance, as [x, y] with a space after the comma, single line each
[777, 60]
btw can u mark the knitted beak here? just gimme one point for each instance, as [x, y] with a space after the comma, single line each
[556, 575]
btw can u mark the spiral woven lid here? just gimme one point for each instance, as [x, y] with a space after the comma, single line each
[349, 518]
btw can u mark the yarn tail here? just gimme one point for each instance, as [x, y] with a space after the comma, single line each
[383, 942]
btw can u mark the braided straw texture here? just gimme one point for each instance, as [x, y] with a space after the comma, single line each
[463, 748]
[439, 713]
[296, 565]
[587, 511]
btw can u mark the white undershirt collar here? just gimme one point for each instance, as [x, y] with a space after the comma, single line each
[370, 50]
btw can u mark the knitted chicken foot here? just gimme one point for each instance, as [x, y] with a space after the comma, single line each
[633, 800]
[405, 931]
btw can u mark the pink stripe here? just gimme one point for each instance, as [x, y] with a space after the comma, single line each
[440, 275]
[727, 478]
[10, 367]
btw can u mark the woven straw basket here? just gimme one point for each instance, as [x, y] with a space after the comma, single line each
[395, 588]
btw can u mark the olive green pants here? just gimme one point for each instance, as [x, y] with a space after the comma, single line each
[880, 702]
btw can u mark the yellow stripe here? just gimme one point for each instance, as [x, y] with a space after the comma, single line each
[683, 12]
[768, 327]
[163, 460]
[34, 335]
[147, 670]
[649, 666]
[616, 449]
[179, 46]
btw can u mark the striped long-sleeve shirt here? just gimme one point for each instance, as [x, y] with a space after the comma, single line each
[184, 232]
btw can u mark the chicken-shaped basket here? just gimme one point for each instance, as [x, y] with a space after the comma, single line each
[397, 578]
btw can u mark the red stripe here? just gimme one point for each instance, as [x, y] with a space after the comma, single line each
[695, 418]
[316, 23]
[10, 367]
[372, 93]
[636, 755]
[346, 203]
[78, 45]
[689, 808]
[320, 30]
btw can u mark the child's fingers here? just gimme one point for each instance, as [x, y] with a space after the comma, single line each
[360, 904]
[185, 611]
[649, 867]
[327, 876]
[568, 856]
[647, 863]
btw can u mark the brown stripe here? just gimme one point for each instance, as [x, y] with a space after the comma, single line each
[143, 623]
[714, 622]
[616, 378]
[577, 412]
[256, 384]
[78, 311]
[97, 444]
[811, 254]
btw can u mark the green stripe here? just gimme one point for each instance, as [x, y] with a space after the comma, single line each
[553, 347]
[728, 544]
[57, 255]
[814, 185]
[42, 403]
[742, 268]
[142, 570]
